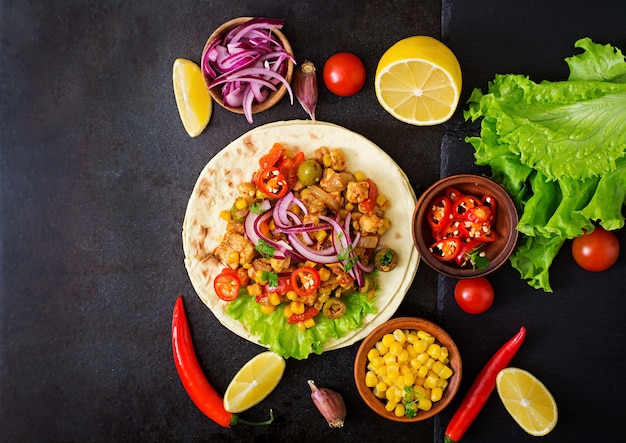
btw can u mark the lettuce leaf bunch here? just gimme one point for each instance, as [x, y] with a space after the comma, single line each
[558, 148]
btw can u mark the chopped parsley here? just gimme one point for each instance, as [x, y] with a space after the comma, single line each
[410, 400]
[347, 258]
[257, 208]
[264, 249]
[270, 278]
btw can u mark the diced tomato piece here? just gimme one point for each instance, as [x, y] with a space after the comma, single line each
[273, 156]
[308, 313]
[369, 204]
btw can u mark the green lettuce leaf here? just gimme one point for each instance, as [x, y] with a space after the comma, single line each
[558, 148]
[289, 341]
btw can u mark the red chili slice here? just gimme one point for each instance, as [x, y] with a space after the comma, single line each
[490, 201]
[452, 193]
[479, 214]
[308, 313]
[305, 281]
[227, 285]
[439, 215]
[464, 251]
[446, 249]
[272, 182]
[464, 204]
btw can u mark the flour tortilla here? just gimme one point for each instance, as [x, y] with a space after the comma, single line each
[216, 190]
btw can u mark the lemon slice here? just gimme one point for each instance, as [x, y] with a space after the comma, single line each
[254, 381]
[528, 401]
[192, 96]
[418, 81]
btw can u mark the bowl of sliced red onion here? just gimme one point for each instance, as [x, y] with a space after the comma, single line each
[247, 64]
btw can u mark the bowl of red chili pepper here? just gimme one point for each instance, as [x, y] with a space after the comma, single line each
[408, 369]
[247, 64]
[464, 226]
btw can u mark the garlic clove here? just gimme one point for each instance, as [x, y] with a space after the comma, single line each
[305, 87]
[330, 404]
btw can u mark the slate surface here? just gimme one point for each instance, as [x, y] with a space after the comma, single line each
[95, 172]
[575, 335]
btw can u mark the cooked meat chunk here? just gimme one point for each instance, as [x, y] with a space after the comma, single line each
[370, 224]
[235, 242]
[357, 191]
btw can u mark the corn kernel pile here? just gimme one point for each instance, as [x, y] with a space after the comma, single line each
[408, 370]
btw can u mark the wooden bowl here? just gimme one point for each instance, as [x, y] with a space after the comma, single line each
[408, 323]
[274, 96]
[498, 252]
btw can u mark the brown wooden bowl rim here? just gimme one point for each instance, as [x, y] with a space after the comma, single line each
[503, 247]
[407, 323]
[273, 97]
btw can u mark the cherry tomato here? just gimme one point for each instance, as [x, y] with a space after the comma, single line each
[344, 74]
[474, 295]
[596, 251]
[227, 285]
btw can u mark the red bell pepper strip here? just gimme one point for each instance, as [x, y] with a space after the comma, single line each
[195, 383]
[482, 388]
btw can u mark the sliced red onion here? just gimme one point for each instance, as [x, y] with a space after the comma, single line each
[310, 253]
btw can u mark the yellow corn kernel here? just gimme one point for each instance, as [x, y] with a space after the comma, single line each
[399, 382]
[419, 390]
[426, 336]
[412, 337]
[309, 323]
[443, 354]
[324, 274]
[382, 349]
[395, 348]
[291, 295]
[390, 406]
[349, 207]
[274, 299]
[233, 257]
[301, 326]
[437, 367]
[424, 404]
[412, 352]
[381, 370]
[399, 411]
[442, 383]
[323, 298]
[370, 379]
[287, 311]
[380, 386]
[436, 394]
[415, 363]
[225, 215]
[260, 194]
[372, 354]
[423, 358]
[297, 307]
[445, 373]
[388, 339]
[390, 394]
[247, 265]
[379, 394]
[422, 371]
[389, 358]
[420, 346]
[327, 160]
[241, 203]
[359, 176]
[434, 350]
[381, 199]
[254, 289]
[409, 379]
[393, 369]
[267, 309]
[431, 380]
[399, 335]
[403, 356]
[405, 369]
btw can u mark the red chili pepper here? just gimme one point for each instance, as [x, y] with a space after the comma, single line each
[195, 383]
[305, 281]
[227, 285]
[190, 373]
[482, 388]
[308, 313]
[464, 204]
[452, 193]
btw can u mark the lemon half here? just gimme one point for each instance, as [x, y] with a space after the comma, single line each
[528, 401]
[254, 381]
[192, 96]
[418, 81]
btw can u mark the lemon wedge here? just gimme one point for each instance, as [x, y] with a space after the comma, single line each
[418, 81]
[254, 381]
[192, 96]
[528, 401]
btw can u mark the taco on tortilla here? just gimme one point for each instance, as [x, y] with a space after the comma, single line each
[215, 248]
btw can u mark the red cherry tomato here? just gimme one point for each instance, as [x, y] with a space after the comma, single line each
[596, 251]
[344, 74]
[474, 295]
